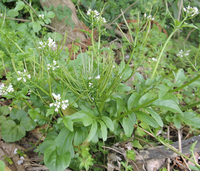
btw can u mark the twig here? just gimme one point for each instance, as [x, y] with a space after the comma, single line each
[189, 35]
[168, 159]
[30, 8]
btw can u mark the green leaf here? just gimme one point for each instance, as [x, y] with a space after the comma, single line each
[147, 119]
[57, 36]
[93, 131]
[193, 168]
[50, 14]
[80, 136]
[192, 146]
[2, 119]
[168, 105]
[103, 130]
[68, 123]
[130, 154]
[190, 119]
[2, 165]
[13, 13]
[54, 161]
[28, 123]
[108, 122]
[123, 87]
[155, 116]
[12, 132]
[19, 6]
[140, 77]
[133, 100]
[145, 98]
[136, 144]
[180, 78]
[83, 117]
[64, 141]
[189, 25]
[36, 26]
[4, 110]
[128, 125]
[21, 114]
[34, 113]
[163, 90]
[49, 140]
[177, 122]
[50, 112]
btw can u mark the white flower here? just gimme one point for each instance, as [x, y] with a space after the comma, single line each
[89, 12]
[149, 17]
[23, 75]
[53, 66]
[1, 15]
[154, 59]
[181, 53]
[50, 43]
[58, 103]
[97, 77]
[57, 97]
[35, 120]
[15, 151]
[191, 10]
[41, 16]
[5, 90]
[90, 84]
[21, 160]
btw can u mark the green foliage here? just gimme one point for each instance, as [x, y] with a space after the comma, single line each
[87, 100]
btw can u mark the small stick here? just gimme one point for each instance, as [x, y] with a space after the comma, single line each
[168, 159]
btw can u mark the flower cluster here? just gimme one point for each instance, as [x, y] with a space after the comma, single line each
[41, 16]
[23, 75]
[149, 17]
[181, 53]
[191, 10]
[59, 103]
[21, 158]
[6, 90]
[50, 43]
[53, 66]
[96, 15]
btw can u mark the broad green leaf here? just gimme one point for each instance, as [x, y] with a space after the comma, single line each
[140, 77]
[193, 168]
[36, 26]
[163, 90]
[190, 119]
[80, 136]
[146, 118]
[136, 144]
[177, 122]
[68, 123]
[21, 114]
[155, 116]
[180, 78]
[93, 131]
[108, 122]
[168, 105]
[121, 104]
[103, 130]
[49, 140]
[50, 111]
[2, 165]
[19, 6]
[50, 14]
[128, 126]
[4, 110]
[170, 96]
[28, 123]
[2, 119]
[64, 141]
[133, 100]
[57, 36]
[123, 87]
[12, 132]
[54, 161]
[130, 154]
[34, 113]
[13, 13]
[83, 117]
[189, 25]
[145, 98]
